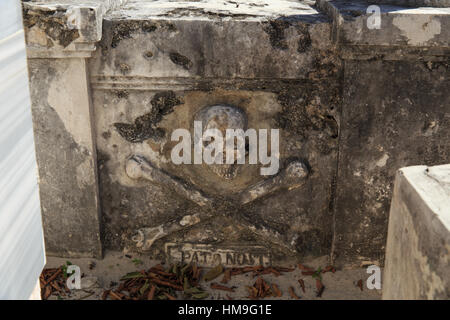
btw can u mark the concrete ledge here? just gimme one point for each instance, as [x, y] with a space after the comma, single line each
[421, 29]
[418, 245]
[416, 3]
[65, 28]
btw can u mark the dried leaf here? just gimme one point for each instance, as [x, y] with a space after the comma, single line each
[163, 273]
[174, 269]
[151, 293]
[132, 275]
[217, 286]
[186, 285]
[202, 295]
[317, 274]
[196, 275]
[276, 291]
[53, 276]
[170, 297]
[305, 268]
[328, 269]
[253, 292]
[274, 271]
[292, 293]
[144, 288]
[193, 290]
[167, 284]
[213, 273]
[105, 294]
[158, 267]
[55, 286]
[115, 295]
[185, 269]
[254, 269]
[302, 284]
[47, 292]
[226, 276]
[359, 284]
[284, 269]
[320, 288]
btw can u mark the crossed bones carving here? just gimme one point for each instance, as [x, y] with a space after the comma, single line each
[137, 167]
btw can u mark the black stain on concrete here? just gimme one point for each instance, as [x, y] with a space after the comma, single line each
[124, 30]
[180, 60]
[148, 54]
[144, 127]
[301, 114]
[122, 94]
[123, 67]
[304, 42]
[53, 23]
[275, 29]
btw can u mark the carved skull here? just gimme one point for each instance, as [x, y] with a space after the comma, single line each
[223, 117]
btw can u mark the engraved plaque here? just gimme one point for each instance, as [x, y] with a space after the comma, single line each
[210, 255]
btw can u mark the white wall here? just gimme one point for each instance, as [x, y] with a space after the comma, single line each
[21, 240]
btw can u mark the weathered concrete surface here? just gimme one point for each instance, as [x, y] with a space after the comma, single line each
[353, 105]
[66, 156]
[418, 245]
[415, 3]
[395, 114]
[279, 71]
[394, 94]
[399, 26]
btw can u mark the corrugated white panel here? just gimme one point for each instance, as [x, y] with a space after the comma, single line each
[21, 238]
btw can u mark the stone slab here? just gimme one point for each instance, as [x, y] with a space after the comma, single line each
[400, 26]
[214, 9]
[394, 114]
[418, 245]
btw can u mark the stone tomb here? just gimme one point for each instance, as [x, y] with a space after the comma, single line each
[154, 75]
[112, 80]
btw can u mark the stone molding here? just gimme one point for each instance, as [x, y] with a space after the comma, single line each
[71, 29]
[405, 33]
